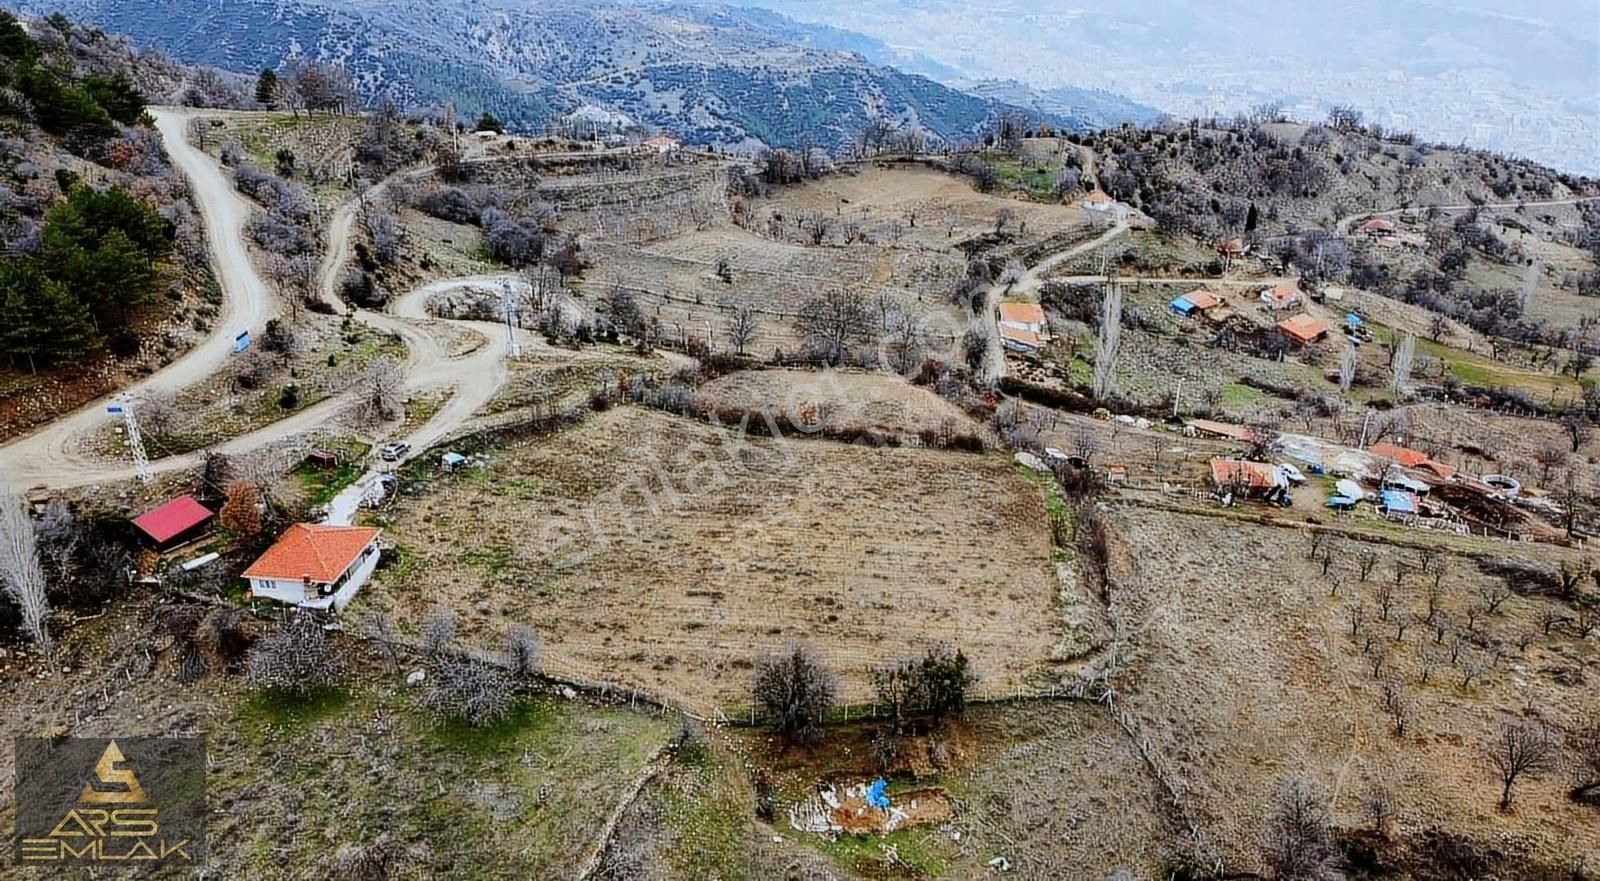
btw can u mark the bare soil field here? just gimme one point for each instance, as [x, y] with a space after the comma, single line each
[876, 401]
[1246, 672]
[663, 553]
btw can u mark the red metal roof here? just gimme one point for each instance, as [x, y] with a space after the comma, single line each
[1303, 328]
[312, 550]
[172, 519]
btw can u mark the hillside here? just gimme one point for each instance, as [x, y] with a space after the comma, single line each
[713, 75]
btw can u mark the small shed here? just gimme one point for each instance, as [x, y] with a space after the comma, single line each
[174, 523]
[452, 461]
[323, 460]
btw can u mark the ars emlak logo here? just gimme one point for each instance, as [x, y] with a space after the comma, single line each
[140, 807]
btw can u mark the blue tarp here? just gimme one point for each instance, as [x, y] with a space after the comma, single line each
[1182, 306]
[1351, 319]
[1341, 502]
[875, 794]
[1398, 500]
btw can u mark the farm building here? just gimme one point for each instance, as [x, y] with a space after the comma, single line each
[1378, 227]
[1251, 480]
[662, 144]
[1019, 340]
[1099, 206]
[1233, 249]
[1285, 296]
[1303, 329]
[1413, 459]
[315, 566]
[1022, 316]
[1208, 428]
[174, 523]
[1195, 303]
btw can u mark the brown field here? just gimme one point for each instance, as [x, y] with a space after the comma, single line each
[946, 207]
[869, 554]
[875, 401]
[1246, 673]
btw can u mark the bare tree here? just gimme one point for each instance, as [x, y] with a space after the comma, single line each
[1297, 843]
[743, 328]
[1347, 369]
[20, 572]
[1520, 749]
[1578, 429]
[1493, 594]
[467, 689]
[1366, 561]
[522, 652]
[795, 693]
[1379, 805]
[296, 659]
[439, 631]
[322, 86]
[381, 390]
[833, 321]
[1404, 354]
[1105, 350]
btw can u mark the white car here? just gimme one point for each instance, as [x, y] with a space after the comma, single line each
[1293, 473]
[393, 452]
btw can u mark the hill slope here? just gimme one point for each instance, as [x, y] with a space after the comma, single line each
[714, 75]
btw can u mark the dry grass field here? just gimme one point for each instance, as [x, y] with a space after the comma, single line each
[876, 401]
[661, 553]
[1246, 672]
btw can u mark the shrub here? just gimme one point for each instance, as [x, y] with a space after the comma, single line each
[467, 690]
[296, 659]
[795, 693]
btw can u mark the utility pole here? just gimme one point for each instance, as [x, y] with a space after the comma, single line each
[141, 462]
[1177, 395]
[1362, 444]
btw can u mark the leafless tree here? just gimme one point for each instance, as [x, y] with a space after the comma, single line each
[795, 693]
[1356, 614]
[1427, 658]
[833, 321]
[385, 233]
[1379, 805]
[297, 658]
[1386, 599]
[20, 572]
[381, 389]
[1366, 561]
[1578, 428]
[1493, 594]
[907, 337]
[522, 652]
[1297, 843]
[320, 86]
[1520, 749]
[1404, 354]
[1084, 442]
[1105, 352]
[1550, 457]
[743, 328]
[467, 689]
[379, 630]
[439, 631]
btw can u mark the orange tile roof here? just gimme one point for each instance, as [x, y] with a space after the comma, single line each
[1022, 313]
[1303, 328]
[1026, 337]
[1400, 455]
[1203, 299]
[1285, 293]
[1255, 475]
[1097, 198]
[1378, 224]
[1223, 429]
[312, 550]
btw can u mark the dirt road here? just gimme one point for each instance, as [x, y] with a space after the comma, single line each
[49, 455]
[994, 368]
[1344, 224]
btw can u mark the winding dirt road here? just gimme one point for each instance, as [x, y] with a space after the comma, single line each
[48, 456]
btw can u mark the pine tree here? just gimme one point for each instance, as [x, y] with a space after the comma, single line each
[267, 89]
[40, 321]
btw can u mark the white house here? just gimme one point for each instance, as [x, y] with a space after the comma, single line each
[1099, 206]
[315, 565]
[1022, 316]
[1284, 296]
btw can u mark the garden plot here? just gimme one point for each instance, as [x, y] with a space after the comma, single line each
[1246, 672]
[666, 554]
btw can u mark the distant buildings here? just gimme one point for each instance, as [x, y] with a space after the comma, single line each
[1285, 296]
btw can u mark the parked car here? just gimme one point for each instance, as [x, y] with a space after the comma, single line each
[393, 452]
[1293, 473]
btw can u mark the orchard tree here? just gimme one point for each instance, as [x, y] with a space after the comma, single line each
[1520, 749]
